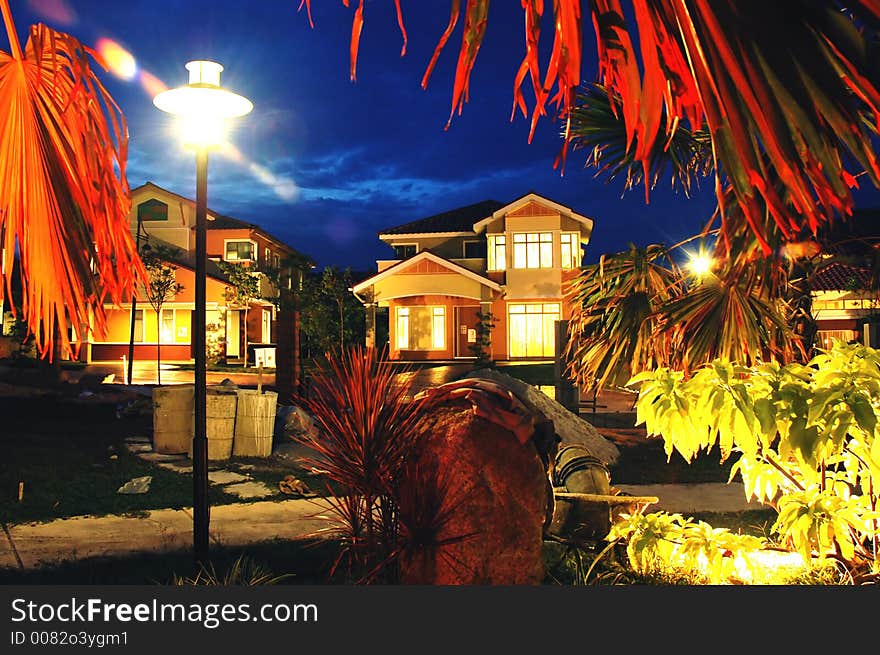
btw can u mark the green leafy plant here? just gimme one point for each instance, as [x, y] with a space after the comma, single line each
[805, 439]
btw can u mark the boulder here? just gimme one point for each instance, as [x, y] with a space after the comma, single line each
[473, 502]
[570, 428]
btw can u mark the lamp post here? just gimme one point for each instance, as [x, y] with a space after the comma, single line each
[203, 106]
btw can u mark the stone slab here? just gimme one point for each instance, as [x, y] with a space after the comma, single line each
[40, 544]
[161, 457]
[690, 498]
[138, 438]
[183, 466]
[226, 477]
[250, 489]
[240, 524]
[135, 447]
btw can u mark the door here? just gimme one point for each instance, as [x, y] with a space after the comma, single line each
[233, 333]
[466, 319]
[266, 327]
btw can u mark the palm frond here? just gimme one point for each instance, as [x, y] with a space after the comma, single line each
[597, 127]
[64, 198]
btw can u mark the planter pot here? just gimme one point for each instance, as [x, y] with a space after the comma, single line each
[173, 418]
[254, 423]
[220, 409]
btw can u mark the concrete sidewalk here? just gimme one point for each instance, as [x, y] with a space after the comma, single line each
[34, 545]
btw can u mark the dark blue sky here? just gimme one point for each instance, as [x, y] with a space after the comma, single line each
[328, 163]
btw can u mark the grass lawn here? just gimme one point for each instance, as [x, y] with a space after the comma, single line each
[71, 458]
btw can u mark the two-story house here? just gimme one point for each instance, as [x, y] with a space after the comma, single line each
[161, 216]
[509, 260]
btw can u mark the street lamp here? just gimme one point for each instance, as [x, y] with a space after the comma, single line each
[203, 107]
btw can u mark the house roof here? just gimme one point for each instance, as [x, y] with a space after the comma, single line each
[188, 260]
[425, 254]
[454, 220]
[524, 200]
[218, 221]
[841, 277]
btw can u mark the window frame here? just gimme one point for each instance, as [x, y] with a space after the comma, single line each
[402, 318]
[496, 250]
[541, 247]
[254, 250]
[479, 242]
[395, 246]
[575, 256]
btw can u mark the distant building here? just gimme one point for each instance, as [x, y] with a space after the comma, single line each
[512, 260]
[164, 217]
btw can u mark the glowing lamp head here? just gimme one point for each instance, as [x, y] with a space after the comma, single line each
[203, 105]
[700, 264]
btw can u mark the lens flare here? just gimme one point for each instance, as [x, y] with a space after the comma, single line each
[119, 60]
[152, 85]
[284, 187]
[57, 11]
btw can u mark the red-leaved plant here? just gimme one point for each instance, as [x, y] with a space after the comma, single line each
[367, 428]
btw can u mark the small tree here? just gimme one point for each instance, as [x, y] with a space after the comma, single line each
[336, 285]
[244, 285]
[482, 346]
[162, 286]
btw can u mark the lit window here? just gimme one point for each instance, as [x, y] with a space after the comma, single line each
[421, 328]
[533, 250]
[405, 251]
[533, 329]
[474, 249]
[240, 251]
[571, 249]
[139, 325]
[268, 257]
[497, 254]
[167, 326]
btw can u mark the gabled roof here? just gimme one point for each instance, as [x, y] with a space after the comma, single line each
[455, 220]
[186, 259]
[220, 222]
[841, 277]
[481, 224]
[415, 259]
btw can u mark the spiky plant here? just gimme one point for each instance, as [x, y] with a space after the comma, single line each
[366, 428]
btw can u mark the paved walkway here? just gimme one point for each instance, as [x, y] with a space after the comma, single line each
[34, 545]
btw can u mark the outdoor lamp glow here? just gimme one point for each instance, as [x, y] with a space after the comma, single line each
[203, 104]
[700, 264]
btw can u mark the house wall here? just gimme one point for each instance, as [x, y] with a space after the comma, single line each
[437, 300]
[177, 230]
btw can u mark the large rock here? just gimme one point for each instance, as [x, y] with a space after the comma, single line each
[474, 502]
[570, 428]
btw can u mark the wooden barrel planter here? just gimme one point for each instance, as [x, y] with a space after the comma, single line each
[173, 418]
[254, 423]
[220, 410]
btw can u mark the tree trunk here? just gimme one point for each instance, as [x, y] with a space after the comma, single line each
[159, 346]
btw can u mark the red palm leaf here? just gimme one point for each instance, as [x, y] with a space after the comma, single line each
[63, 194]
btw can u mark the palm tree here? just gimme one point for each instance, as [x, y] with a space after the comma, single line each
[787, 91]
[64, 198]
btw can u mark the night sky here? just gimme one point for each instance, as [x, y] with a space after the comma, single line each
[326, 163]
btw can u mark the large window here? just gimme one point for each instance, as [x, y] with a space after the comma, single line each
[533, 250]
[139, 325]
[237, 251]
[497, 254]
[404, 250]
[570, 249]
[421, 328]
[532, 329]
[167, 331]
